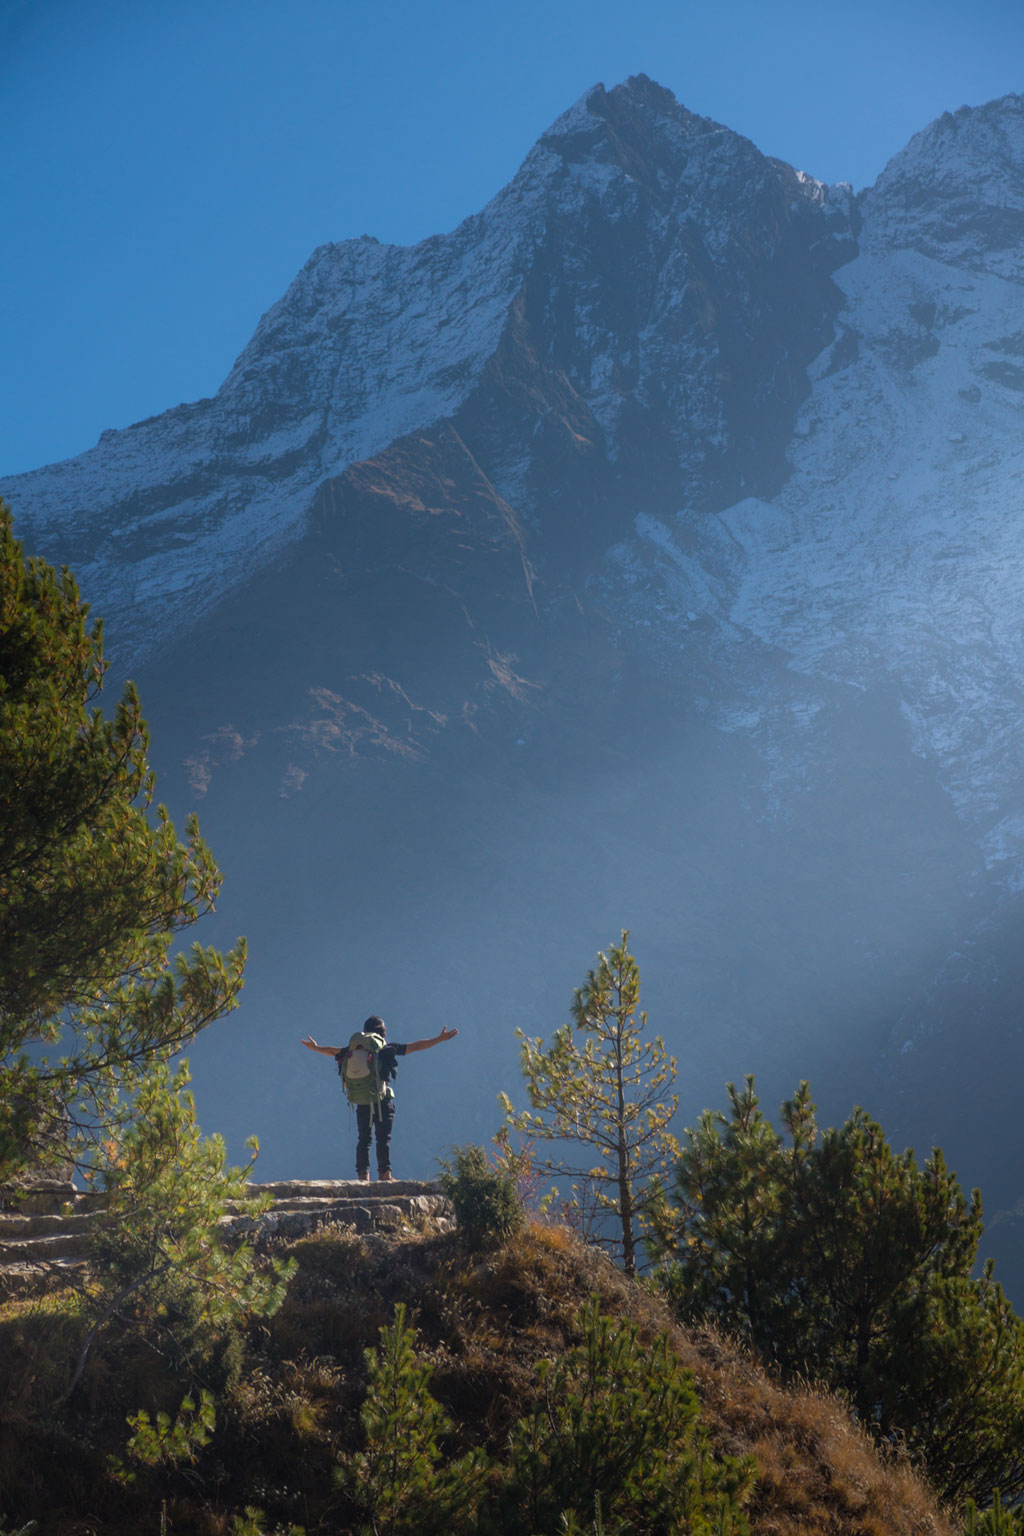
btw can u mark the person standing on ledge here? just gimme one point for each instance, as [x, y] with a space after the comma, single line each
[367, 1065]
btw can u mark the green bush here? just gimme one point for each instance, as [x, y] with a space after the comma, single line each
[484, 1197]
[616, 1434]
[997, 1520]
[401, 1477]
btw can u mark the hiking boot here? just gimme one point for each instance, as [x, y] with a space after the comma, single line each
[364, 1178]
[385, 1178]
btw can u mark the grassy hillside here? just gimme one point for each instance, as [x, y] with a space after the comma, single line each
[287, 1402]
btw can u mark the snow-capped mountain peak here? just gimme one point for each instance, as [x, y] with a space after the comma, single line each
[627, 267]
[956, 192]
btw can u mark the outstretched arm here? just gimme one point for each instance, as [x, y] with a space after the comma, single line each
[325, 1050]
[424, 1045]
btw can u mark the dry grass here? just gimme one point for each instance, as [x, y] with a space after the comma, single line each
[818, 1470]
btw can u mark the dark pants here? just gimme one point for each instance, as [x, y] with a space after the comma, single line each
[374, 1119]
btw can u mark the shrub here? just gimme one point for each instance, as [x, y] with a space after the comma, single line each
[485, 1200]
[613, 1443]
[616, 1434]
[997, 1520]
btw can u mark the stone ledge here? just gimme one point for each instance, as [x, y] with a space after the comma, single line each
[41, 1197]
[293, 1189]
[361, 1215]
[32, 1237]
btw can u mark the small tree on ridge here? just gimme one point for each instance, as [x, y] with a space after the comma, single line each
[600, 1084]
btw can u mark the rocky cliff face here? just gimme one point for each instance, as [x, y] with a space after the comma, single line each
[892, 554]
[955, 193]
[644, 551]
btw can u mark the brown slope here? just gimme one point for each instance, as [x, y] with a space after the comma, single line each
[484, 1323]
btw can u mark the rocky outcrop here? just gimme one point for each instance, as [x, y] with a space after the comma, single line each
[45, 1229]
[956, 192]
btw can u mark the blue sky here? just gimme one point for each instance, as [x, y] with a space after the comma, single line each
[167, 166]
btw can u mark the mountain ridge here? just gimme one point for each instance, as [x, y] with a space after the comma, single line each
[956, 190]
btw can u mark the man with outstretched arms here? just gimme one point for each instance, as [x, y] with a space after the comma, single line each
[367, 1066]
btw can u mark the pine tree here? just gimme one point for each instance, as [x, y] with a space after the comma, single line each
[845, 1261]
[159, 1255]
[402, 1478]
[997, 1520]
[616, 1432]
[92, 889]
[600, 1084]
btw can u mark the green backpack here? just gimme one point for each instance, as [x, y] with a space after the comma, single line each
[358, 1064]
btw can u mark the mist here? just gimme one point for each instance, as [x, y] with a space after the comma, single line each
[792, 939]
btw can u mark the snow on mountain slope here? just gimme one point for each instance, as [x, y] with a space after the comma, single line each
[162, 519]
[894, 555]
